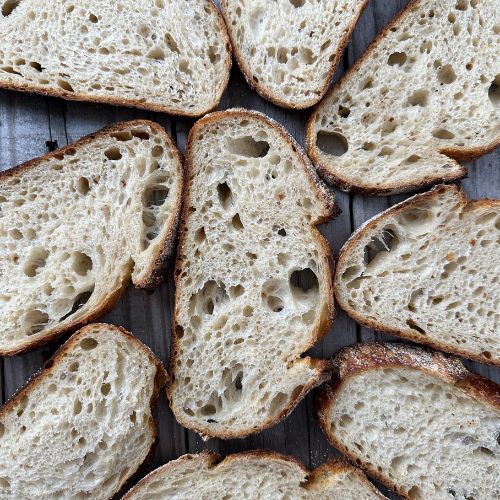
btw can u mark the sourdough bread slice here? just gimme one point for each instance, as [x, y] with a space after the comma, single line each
[171, 56]
[83, 425]
[416, 420]
[252, 475]
[426, 93]
[78, 223]
[427, 270]
[254, 284]
[288, 50]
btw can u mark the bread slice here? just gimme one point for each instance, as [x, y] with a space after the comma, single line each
[252, 475]
[171, 56]
[416, 420]
[83, 425]
[254, 284]
[78, 223]
[427, 270]
[425, 94]
[288, 50]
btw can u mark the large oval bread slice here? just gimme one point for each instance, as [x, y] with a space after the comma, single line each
[427, 269]
[252, 475]
[288, 50]
[78, 223]
[253, 277]
[171, 56]
[426, 93]
[416, 420]
[83, 425]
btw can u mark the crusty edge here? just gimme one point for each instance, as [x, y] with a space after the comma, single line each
[160, 380]
[353, 360]
[322, 366]
[408, 333]
[274, 98]
[134, 103]
[320, 475]
[462, 153]
[155, 272]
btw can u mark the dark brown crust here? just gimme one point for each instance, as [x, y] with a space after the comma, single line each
[360, 358]
[161, 377]
[262, 90]
[462, 154]
[155, 272]
[319, 475]
[322, 366]
[131, 103]
[366, 228]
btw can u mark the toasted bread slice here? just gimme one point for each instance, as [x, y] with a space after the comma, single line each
[83, 425]
[171, 56]
[416, 420]
[252, 475]
[288, 50]
[425, 94]
[253, 277]
[78, 223]
[427, 270]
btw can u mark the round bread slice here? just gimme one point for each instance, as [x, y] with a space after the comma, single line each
[253, 273]
[79, 223]
[83, 425]
[253, 475]
[288, 50]
[416, 420]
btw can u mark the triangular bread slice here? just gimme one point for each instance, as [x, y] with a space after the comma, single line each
[425, 94]
[427, 270]
[78, 223]
[171, 56]
[254, 284]
[83, 425]
[253, 475]
[416, 420]
[288, 50]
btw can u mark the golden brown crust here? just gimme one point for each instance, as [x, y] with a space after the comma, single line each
[322, 366]
[161, 376]
[353, 360]
[407, 333]
[320, 476]
[132, 103]
[155, 273]
[261, 89]
[455, 154]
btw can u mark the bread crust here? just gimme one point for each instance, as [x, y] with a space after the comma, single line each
[353, 360]
[133, 103]
[319, 330]
[33, 382]
[317, 476]
[360, 233]
[156, 269]
[274, 98]
[454, 154]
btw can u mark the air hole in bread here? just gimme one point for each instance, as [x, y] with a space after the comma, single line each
[306, 55]
[446, 74]
[35, 261]
[344, 112]
[81, 263]
[419, 98]
[225, 194]
[443, 134]
[412, 159]
[415, 492]
[415, 297]
[248, 147]
[35, 321]
[208, 410]
[200, 235]
[462, 5]
[380, 246]
[397, 59]
[113, 153]
[494, 91]
[2, 429]
[88, 343]
[140, 133]
[282, 232]
[236, 291]
[236, 222]
[65, 85]
[10, 69]
[171, 43]
[156, 53]
[79, 301]
[278, 403]
[77, 407]
[304, 281]
[82, 186]
[8, 7]
[332, 143]
[297, 3]
[36, 66]
[93, 18]
[275, 304]
[415, 327]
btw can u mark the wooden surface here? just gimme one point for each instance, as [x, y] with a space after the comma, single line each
[31, 125]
